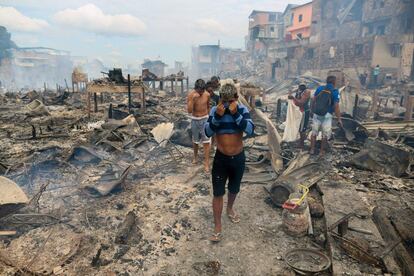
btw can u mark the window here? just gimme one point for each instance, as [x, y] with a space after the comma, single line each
[299, 35]
[359, 50]
[310, 53]
[379, 4]
[381, 30]
[395, 50]
[272, 29]
[272, 17]
[255, 33]
[300, 17]
[406, 23]
[370, 29]
[291, 52]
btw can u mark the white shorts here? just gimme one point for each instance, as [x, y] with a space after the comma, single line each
[323, 123]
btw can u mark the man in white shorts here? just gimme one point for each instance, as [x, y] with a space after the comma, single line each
[324, 103]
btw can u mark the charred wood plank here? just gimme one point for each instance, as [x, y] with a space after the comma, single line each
[402, 219]
[125, 228]
[389, 234]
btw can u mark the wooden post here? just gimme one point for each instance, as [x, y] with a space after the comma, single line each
[187, 85]
[409, 108]
[182, 87]
[44, 85]
[172, 86]
[374, 102]
[129, 94]
[161, 85]
[143, 100]
[89, 103]
[355, 109]
[95, 102]
[73, 87]
[110, 111]
[278, 109]
[176, 87]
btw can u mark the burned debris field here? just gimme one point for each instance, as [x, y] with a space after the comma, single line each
[99, 173]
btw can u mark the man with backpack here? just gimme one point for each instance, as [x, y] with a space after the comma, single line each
[324, 103]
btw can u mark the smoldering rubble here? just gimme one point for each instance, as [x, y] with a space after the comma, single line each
[96, 176]
[112, 190]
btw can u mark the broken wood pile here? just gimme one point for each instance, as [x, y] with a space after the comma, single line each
[115, 191]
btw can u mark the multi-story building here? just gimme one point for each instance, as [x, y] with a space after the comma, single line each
[353, 36]
[265, 27]
[205, 61]
[232, 62]
[156, 67]
[301, 19]
[213, 60]
[287, 18]
[35, 66]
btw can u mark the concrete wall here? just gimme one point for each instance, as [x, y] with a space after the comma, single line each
[407, 60]
[392, 15]
[304, 26]
[382, 54]
[261, 18]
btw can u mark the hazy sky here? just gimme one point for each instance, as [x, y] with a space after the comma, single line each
[121, 32]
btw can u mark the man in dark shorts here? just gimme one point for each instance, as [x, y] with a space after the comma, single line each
[227, 121]
[302, 100]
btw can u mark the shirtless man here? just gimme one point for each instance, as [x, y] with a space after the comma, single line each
[227, 121]
[198, 107]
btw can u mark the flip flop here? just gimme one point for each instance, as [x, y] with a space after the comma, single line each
[216, 237]
[234, 218]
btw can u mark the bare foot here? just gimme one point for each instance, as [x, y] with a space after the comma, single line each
[195, 161]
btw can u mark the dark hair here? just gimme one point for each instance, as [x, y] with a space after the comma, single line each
[215, 79]
[331, 79]
[209, 84]
[302, 87]
[200, 84]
